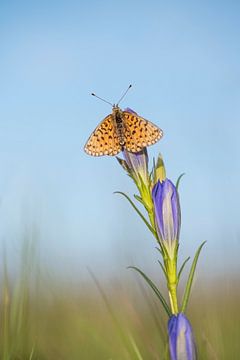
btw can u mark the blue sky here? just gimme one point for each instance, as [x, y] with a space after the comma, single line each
[183, 59]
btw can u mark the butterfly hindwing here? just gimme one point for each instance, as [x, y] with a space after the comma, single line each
[139, 132]
[103, 140]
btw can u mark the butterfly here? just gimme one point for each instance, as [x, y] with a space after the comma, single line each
[122, 129]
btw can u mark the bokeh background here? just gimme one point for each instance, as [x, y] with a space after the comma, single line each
[183, 59]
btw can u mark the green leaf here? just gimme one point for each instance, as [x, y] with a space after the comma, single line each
[182, 267]
[138, 198]
[160, 250]
[138, 211]
[163, 269]
[155, 289]
[178, 180]
[190, 279]
[152, 171]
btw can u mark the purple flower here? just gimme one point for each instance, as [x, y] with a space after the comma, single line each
[130, 110]
[137, 164]
[167, 213]
[181, 339]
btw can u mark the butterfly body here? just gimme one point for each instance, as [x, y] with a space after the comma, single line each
[118, 124]
[123, 129]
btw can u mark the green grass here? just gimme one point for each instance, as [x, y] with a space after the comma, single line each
[46, 320]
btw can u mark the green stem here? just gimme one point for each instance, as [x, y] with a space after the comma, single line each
[146, 196]
[171, 271]
[151, 218]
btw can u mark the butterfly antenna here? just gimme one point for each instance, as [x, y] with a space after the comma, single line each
[124, 94]
[102, 99]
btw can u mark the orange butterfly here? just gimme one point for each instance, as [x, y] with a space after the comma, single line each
[122, 130]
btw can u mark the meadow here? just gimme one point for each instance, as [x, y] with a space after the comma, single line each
[46, 319]
[183, 59]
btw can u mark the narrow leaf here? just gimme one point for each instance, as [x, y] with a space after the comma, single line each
[155, 289]
[182, 267]
[152, 171]
[160, 250]
[138, 211]
[190, 279]
[163, 269]
[179, 179]
[138, 198]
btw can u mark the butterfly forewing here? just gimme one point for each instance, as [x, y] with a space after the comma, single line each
[104, 140]
[139, 132]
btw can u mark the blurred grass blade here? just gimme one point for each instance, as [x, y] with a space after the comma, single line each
[135, 348]
[178, 180]
[154, 288]
[127, 340]
[138, 211]
[32, 353]
[190, 279]
[6, 311]
[182, 267]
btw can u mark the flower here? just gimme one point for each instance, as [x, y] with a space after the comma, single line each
[130, 110]
[167, 214]
[181, 340]
[137, 165]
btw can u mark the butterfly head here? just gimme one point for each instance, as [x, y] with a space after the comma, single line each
[116, 109]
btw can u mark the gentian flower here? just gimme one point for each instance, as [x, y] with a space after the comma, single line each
[137, 165]
[130, 110]
[181, 339]
[167, 214]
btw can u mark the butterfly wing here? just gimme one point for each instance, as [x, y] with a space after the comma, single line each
[103, 140]
[139, 132]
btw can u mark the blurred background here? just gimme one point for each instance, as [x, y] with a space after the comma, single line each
[58, 212]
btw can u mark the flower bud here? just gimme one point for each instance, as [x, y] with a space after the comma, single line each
[167, 214]
[159, 172]
[137, 164]
[181, 339]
